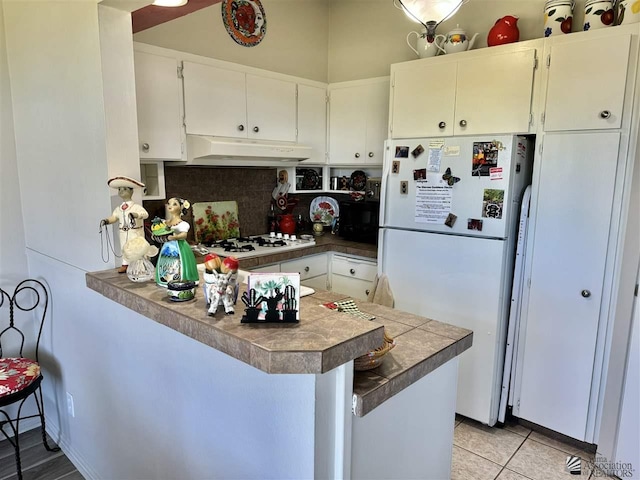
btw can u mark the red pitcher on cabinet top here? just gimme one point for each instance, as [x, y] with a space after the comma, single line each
[504, 31]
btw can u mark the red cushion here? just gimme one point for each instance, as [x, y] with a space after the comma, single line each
[17, 374]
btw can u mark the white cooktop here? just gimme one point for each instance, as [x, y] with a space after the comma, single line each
[255, 246]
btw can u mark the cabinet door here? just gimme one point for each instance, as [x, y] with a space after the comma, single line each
[317, 283]
[347, 125]
[586, 85]
[312, 121]
[377, 121]
[214, 101]
[573, 208]
[158, 97]
[493, 94]
[423, 100]
[271, 109]
[352, 287]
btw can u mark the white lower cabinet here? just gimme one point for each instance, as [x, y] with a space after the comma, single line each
[351, 276]
[273, 268]
[312, 270]
[345, 274]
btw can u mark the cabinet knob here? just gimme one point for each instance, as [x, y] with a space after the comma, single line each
[442, 125]
[605, 114]
[367, 291]
[357, 155]
[352, 271]
[256, 129]
[241, 127]
[306, 269]
[585, 293]
[370, 154]
[145, 147]
[463, 123]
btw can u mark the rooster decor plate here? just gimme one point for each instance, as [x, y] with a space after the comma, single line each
[245, 21]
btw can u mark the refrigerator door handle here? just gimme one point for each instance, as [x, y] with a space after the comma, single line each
[381, 235]
[386, 166]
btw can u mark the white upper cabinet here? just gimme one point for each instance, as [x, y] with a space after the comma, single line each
[215, 101]
[467, 94]
[271, 109]
[358, 121]
[159, 105]
[312, 121]
[230, 103]
[586, 82]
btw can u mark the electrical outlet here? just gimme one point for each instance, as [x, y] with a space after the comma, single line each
[70, 408]
[404, 187]
[395, 166]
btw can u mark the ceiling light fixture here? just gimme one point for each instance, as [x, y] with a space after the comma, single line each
[170, 3]
[429, 13]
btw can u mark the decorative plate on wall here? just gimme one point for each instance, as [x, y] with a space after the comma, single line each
[245, 21]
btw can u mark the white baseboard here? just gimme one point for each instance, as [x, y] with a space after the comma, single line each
[85, 470]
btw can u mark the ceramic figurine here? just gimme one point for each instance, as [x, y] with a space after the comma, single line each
[221, 283]
[138, 251]
[504, 31]
[281, 190]
[130, 215]
[176, 260]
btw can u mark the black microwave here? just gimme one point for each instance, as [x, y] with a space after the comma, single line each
[359, 221]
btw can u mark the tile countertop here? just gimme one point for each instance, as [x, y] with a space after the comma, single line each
[323, 340]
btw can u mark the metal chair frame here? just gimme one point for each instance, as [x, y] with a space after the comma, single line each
[33, 294]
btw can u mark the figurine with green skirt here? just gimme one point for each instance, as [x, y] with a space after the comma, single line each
[176, 260]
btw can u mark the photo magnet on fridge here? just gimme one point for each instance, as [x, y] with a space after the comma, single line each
[420, 174]
[416, 152]
[485, 157]
[474, 224]
[402, 152]
[451, 220]
[395, 166]
[492, 203]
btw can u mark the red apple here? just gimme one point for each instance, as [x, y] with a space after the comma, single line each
[607, 17]
[212, 262]
[229, 264]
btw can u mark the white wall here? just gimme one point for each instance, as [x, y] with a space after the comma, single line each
[13, 261]
[149, 403]
[337, 40]
[295, 42]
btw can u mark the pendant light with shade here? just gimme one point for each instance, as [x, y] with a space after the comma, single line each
[429, 13]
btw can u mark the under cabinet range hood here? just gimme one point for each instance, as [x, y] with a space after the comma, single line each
[222, 151]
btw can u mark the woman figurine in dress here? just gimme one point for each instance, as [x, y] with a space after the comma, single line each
[176, 260]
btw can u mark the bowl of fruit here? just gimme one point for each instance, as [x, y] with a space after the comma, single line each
[159, 230]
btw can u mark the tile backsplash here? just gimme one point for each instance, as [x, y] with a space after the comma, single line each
[250, 187]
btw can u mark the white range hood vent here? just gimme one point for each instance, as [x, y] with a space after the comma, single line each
[221, 151]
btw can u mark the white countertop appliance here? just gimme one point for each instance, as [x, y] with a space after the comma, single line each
[449, 212]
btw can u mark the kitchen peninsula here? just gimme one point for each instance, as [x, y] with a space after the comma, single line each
[302, 424]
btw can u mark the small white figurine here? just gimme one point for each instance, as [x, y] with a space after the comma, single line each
[221, 283]
[130, 215]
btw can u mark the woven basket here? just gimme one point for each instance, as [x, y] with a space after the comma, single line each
[374, 358]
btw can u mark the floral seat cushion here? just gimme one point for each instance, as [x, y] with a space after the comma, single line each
[17, 374]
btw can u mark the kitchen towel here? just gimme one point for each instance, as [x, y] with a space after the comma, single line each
[350, 307]
[380, 292]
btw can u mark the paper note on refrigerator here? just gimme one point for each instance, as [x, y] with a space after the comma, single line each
[433, 203]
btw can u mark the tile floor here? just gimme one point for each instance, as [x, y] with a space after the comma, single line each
[513, 453]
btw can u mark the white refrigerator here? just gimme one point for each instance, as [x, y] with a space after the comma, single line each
[448, 215]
